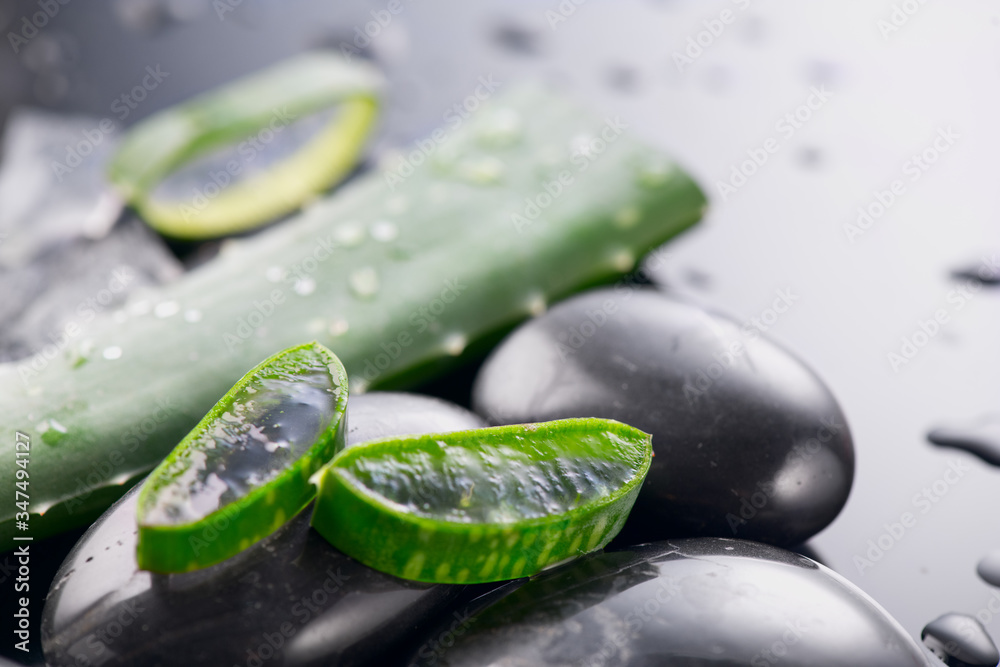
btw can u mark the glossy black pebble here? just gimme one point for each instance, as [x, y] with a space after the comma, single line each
[702, 601]
[960, 641]
[380, 414]
[291, 599]
[988, 568]
[748, 442]
[980, 438]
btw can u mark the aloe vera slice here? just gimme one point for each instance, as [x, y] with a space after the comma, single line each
[482, 505]
[260, 107]
[244, 469]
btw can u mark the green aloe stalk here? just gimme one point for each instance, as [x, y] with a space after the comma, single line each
[399, 274]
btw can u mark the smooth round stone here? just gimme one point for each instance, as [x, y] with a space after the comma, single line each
[988, 568]
[748, 441]
[701, 601]
[380, 414]
[291, 599]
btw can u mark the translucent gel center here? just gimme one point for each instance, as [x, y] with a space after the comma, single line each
[273, 421]
[492, 483]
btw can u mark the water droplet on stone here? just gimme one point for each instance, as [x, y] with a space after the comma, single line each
[455, 344]
[304, 286]
[275, 274]
[112, 352]
[988, 568]
[364, 282]
[349, 234]
[384, 231]
[166, 309]
[981, 438]
[958, 639]
[192, 315]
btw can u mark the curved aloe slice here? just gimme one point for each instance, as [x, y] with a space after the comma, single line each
[244, 469]
[482, 505]
[250, 112]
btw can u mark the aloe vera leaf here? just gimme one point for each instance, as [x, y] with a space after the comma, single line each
[456, 276]
[482, 505]
[266, 101]
[244, 470]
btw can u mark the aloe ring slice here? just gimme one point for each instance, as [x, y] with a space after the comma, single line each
[254, 117]
[482, 505]
[244, 470]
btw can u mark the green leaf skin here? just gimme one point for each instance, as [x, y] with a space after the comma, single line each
[456, 277]
[289, 90]
[477, 506]
[203, 538]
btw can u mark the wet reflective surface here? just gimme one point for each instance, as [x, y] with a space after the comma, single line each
[684, 602]
[748, 441]
[291, 599]
[959, 641]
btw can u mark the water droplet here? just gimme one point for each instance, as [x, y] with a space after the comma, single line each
[988, 568]
[536, 304]
[623, 260]
[119, 316]
[138, 308]
[364, 282]
[315, 326]
[338, 327]
[112, 352]
[500, 128]
[193, 315]
[275, 274]
[455, 344]
[482, 171]
[581, 144]
[166, 309]
[398, 204]
[52, 431]
[627, 217]
[304, 286]
[349, 234]
[384, 231]
[656, 172]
